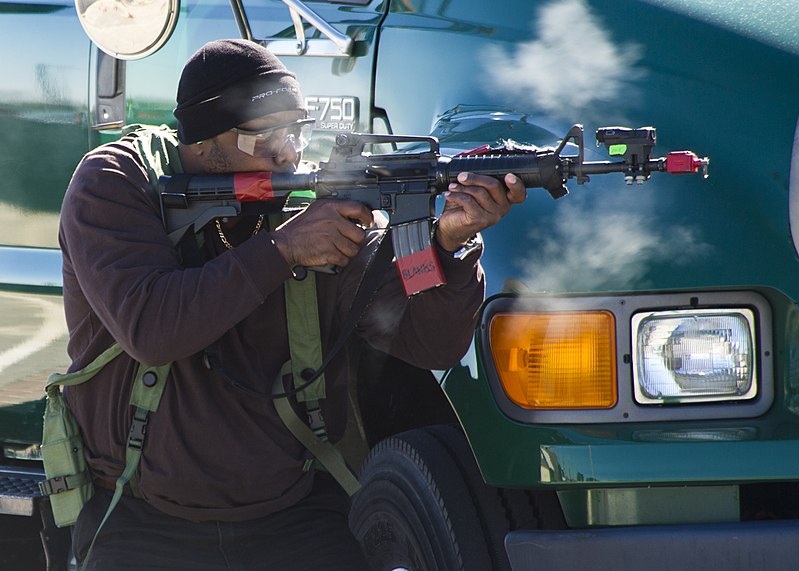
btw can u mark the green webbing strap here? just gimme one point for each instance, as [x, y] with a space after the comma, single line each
[145, 396]
[302, 316]
[305, 348]
[60, 484]
[330, 458]
[305, 341]
[82, 375]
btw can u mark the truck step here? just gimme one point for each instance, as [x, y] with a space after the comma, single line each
[19, 487]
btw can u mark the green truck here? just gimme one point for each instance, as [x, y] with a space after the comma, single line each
[631, 396]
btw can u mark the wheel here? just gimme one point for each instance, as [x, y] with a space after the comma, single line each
[424, 507]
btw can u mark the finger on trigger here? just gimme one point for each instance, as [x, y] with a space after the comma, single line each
[356, 211]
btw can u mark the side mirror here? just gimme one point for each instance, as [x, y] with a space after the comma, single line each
[128, 29]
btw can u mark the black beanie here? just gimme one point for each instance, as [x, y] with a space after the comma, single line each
[228, 82]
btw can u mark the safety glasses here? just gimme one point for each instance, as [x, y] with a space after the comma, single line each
[270, 142]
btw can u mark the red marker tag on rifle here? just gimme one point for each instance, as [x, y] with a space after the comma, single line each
[420, 271]
[253, 186]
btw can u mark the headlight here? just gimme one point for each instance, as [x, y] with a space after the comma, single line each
[563, 360]
[694, 356]
[649, 357]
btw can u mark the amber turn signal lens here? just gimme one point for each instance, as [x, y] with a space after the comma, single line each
[558, 360]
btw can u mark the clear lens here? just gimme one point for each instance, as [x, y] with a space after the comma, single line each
[701, 355]
[270, 142]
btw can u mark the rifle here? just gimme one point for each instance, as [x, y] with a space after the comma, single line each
[405, 184]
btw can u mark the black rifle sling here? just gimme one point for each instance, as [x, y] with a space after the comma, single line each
[373, 274]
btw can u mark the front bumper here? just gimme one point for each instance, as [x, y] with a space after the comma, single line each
[748, 546]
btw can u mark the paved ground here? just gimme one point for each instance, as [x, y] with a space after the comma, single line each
[33, 338]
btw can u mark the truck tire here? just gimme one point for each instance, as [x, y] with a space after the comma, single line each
[424, 507]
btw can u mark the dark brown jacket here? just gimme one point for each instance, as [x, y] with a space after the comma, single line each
[214, 452]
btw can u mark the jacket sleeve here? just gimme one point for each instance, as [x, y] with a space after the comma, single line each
[121, 269]
[432, 329]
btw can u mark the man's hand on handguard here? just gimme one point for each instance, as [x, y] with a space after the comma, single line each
[327, 232]
[475, 203]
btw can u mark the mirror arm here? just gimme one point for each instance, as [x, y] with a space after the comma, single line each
[342, 41]
[299, 31]
[241, 19]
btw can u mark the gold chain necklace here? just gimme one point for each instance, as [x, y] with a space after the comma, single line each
[224, 239]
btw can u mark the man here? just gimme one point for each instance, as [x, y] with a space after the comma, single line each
[222, 483]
